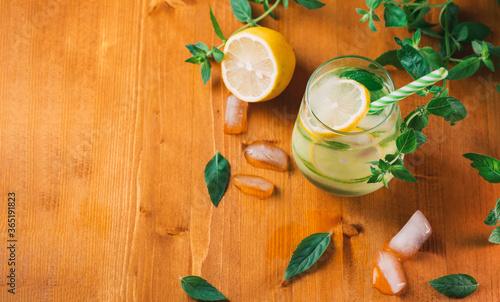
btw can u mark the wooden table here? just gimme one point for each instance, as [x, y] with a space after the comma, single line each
[105, 132]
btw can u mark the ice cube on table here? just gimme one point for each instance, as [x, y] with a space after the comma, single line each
[254, 185]
[388, 274]
[411, 237]
[236, 116]
[267, 156]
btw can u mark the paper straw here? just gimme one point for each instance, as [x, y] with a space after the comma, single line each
[395, 96]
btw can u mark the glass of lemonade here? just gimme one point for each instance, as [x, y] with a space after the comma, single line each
[335, 161]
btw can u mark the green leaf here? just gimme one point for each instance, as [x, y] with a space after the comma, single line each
[489, 64]
[495, 236]
[497, 208]
[266, 8]
[206, 67]
[366, 78]
[383, 165]
[216, 26]
[455, 285]
[310, 4]
[285, 3]
[498, 87]
[373, 4]
[452, 11]
[371, 25]
[407, 142]
[416, 38]
[361, 11]
[375, 178]
[198, 288]
[198, 49]
[217, 177]
[402, 173]
[441, 106]
[390, 58]
[413, 62]
[218, 54]
[459, 111]
[460, 33]
[307, 253]
[477, 47]
[475, 31]
[421, 138]
[464, 69]
[488, 167]
[492, 219]
[195, 60]
[432, 57]
[241, 10]
[416, 15]
[394, 16]
[390, 157]
[431, 33]
[418, 122]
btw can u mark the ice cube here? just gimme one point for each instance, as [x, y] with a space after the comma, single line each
[412, 236]
[388, 274]
[236, 116]
[254, 185]
[265, 155]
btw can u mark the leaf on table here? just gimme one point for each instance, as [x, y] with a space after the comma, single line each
[488, 167]
[432, 57]
[366, 78]
[206, 68]
[455, 285]
[198, 288]
[402, 173]
[495, 236]
[216, 26]
[310, 4]
[474, 30]
[217, 177]
[421, 138]
[307, 253]
[492, 219]
[413, 62]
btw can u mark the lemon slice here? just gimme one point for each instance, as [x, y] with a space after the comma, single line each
[338, 103]
[258, 64]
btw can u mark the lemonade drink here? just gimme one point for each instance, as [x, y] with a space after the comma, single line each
[336, 161]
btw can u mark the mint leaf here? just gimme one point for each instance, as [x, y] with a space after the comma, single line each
[285, 3]
[477, 47]
[459, 111]
[198, 49]
[366, 78]
[206, 67]
[432, 57]
[217, 177]
[495, 236]
[394, 16]
[497, 208]
[373, 4]
[310, 4]
[455, 285]
[492, 219]
[407, 142]
[488, 167]
[475, 31]
[307, 253]
[413, 62]
[195, 60]
[216, 26]
[418, 122]
[241, 10]
[498, 87]
[402, 173]
[198, 288]
[421, 138]
[391, 157]
[464, 69]
[266, 8]
[390, 58]
[218, 54]
[431, 33]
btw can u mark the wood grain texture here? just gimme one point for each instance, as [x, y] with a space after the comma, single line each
[105, 132]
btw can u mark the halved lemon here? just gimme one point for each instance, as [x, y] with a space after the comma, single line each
[258, 64]
[338, 103]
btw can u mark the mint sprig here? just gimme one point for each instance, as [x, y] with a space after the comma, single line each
[242, 10]
[488, 167]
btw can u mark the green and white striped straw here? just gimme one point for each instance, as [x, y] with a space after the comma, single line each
[395, 96]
